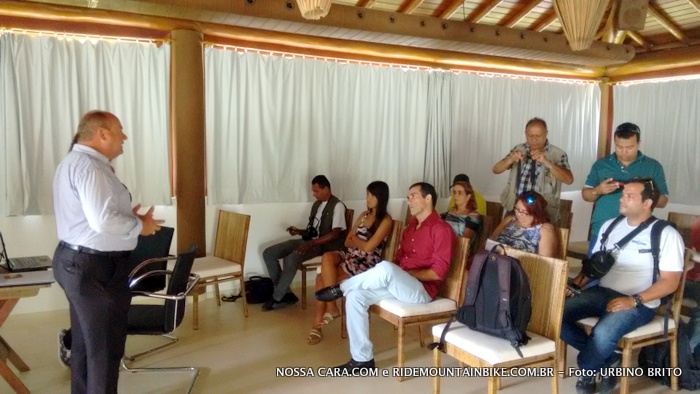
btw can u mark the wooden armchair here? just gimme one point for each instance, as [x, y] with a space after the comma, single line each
[565, 214]
[449, 298]
[683, 222]
[227, 261]
[388, 254]
[648, 334]
[547, 278]
[495, 210]
[315, 262]
[563, 238]
[488, 224]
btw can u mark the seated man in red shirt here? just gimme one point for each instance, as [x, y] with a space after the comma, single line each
[692, 283]
[422, 262]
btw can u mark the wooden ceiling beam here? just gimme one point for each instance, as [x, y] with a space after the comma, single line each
[639, 40]
[620, 36]
[654, 11]
[658, 64]
[544, 23]
[609, 31]
[451, 9]
[522, 13]
[367, 3]
[481, 12]
[411, 6]
[536, 52]
[695, 3]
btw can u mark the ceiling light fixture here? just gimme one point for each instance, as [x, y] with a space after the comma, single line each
[314, 9]
[580, 20]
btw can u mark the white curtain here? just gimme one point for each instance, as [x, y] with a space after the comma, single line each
[275, 122]
[489, 117]
[668, 115]
[47, 84]
[439, 132]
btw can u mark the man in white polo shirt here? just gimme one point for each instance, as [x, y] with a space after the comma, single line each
[626, 296]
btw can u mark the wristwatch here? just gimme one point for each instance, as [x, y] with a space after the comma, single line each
[637, 300]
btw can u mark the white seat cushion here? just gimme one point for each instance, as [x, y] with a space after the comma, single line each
[313, 261]
[403, 309]
[655, 326]
[210, 266]
[492, 349]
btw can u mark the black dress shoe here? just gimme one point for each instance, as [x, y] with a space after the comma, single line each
[287, 300]
[356, 367]
[290, 298]
[269, 305]
[330, 293]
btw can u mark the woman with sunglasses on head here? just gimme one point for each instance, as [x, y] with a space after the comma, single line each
[528, 228]
[365, 243]
[463, 216]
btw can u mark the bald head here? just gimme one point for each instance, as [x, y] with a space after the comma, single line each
[101, 131]
[92, 121]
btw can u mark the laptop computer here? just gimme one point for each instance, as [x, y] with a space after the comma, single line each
[23, 264]
[9, 279]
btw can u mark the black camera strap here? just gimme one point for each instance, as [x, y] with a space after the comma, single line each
[621, 243]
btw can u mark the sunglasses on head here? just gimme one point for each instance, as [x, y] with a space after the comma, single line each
[528, 197]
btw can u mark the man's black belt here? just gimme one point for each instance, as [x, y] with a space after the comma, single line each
[86, 250]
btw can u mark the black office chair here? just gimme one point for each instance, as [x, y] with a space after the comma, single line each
[150, 247]
[162, 319]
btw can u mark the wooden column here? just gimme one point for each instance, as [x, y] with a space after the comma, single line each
[606, 118]
[188, 136]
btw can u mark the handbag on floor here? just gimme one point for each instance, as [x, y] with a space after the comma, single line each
[258, 289]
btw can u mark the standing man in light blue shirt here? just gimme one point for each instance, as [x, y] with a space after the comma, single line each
[97, 229]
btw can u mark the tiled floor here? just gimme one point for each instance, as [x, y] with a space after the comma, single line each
[241, 355]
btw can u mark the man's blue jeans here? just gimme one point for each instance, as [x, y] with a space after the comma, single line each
[598, 350]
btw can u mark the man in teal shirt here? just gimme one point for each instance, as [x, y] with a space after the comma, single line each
[608, 175]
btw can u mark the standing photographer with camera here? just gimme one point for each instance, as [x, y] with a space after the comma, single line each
[325, 232]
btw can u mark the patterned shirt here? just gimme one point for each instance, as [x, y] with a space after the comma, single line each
[521, 238]
[461, 222]
[530, 169]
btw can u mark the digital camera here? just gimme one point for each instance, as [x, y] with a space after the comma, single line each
[309, 233]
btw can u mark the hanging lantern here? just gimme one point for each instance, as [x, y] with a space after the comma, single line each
[580, 20]
[314, 9]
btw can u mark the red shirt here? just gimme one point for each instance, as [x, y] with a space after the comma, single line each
[694, 274]
[429, 246]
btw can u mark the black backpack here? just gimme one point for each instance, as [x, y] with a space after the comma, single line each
[659, 356]
[497, 299]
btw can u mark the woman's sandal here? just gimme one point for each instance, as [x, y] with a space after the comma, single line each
[315, 336]
[327, 318]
